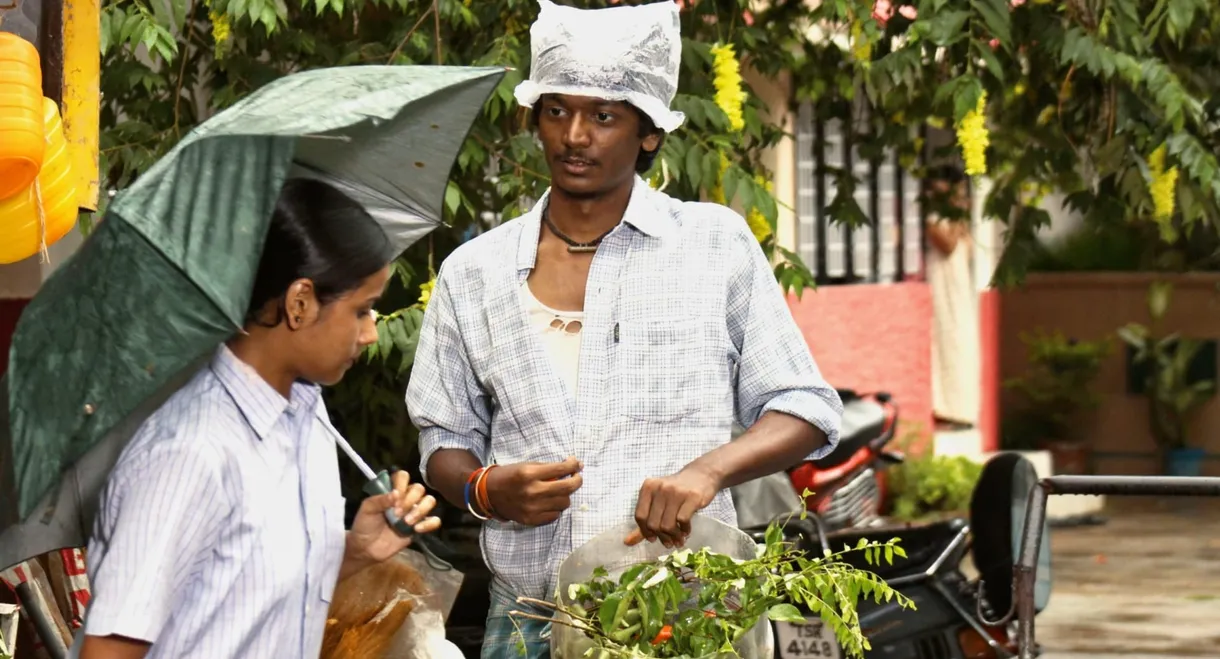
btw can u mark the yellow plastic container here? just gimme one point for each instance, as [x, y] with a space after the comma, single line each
[19, 217]
[22, 141]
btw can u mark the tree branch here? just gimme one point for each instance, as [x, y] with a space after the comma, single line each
[403, 43]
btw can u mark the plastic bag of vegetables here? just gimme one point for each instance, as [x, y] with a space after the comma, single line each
[605, 558]
[712, 599]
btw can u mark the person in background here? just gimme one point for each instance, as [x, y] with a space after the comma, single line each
[581, 366]
[220, 532]
[955, 300]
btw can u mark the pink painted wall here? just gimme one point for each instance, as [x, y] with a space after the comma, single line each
[872, 337]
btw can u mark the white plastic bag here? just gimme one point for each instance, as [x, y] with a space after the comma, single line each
[607, 550]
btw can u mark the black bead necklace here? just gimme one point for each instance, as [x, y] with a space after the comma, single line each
[573, 246]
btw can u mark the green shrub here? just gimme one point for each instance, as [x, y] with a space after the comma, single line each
[929, 485]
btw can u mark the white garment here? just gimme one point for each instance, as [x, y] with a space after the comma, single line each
[956, 354]
[560, 340]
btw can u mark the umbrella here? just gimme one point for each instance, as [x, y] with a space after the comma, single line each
[166, 276]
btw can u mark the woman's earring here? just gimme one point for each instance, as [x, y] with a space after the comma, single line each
[298, 319]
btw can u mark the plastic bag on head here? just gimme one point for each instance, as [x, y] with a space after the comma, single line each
[607, 550]
[625, 53]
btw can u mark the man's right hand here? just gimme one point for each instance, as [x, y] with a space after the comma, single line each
[533, 493]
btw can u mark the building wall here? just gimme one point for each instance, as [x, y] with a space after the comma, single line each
[1091, 306]
[874, 337]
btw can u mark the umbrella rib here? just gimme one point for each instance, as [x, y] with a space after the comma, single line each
[206, 293]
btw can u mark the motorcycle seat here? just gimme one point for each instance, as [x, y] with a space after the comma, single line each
[863, 421]
[923, 544]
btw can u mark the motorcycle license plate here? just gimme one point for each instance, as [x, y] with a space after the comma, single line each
[809, 640]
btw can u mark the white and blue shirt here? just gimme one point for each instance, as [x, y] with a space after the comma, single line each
[221, 530]
[684, 331]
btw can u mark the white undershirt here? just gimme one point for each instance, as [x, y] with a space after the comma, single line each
[560, 333]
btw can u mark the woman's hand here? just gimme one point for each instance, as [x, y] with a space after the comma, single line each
[371, 540]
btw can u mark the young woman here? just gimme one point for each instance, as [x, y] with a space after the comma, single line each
[221, 530]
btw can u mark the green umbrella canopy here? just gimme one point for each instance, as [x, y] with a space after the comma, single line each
[166, 276]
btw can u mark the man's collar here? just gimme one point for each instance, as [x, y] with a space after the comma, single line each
[642, 213]
[257, 400]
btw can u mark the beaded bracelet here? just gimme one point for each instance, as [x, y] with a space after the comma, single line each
[470, 482]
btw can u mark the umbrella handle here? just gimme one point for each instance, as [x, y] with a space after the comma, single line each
[381, 485]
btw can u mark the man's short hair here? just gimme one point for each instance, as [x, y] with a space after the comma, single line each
[643, 162]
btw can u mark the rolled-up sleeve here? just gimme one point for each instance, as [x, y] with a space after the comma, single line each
[444, 398]
[775, 370]
[165, 510]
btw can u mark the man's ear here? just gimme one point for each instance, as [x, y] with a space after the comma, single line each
[652, 143]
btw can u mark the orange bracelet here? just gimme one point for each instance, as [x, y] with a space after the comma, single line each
[481, 496]
[472, 501]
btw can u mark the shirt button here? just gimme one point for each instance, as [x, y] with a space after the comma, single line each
[584, 508]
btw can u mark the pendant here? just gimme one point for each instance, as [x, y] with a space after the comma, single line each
[582, 249]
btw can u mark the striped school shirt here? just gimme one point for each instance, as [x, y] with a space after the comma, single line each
[221, 529]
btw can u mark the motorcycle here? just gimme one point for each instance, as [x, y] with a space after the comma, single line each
[847, 487]
[955, 615]
[842, 490]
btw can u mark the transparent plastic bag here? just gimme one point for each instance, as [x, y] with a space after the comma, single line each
[626, 53]
[607, 550]
[394, 610]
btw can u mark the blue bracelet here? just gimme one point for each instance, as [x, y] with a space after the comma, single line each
[466, 497]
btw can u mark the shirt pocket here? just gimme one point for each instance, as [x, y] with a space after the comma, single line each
[664, 368]
[334, 546]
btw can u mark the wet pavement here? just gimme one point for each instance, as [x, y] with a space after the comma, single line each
[1144, 584]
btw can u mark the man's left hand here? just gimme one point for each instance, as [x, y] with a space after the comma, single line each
[667, 504]
[371, 540]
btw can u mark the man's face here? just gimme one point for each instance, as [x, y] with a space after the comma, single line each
[591, 144]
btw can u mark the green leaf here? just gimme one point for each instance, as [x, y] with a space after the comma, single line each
[1159, 295]
[945, 27]
[694, 166]
[732, 176]
[991, 61]
[967, 98]
[453, 198]
[385, 342]
[996, 16]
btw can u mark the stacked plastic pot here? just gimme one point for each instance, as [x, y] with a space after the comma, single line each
[38, 196]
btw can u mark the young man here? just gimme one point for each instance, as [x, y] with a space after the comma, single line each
[597, 349]
[955, 315]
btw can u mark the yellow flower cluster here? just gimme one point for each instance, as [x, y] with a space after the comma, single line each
[1162, 186]
[759, 225]
[973, 139]
[425, 292]
[727, 80]
[222, 29]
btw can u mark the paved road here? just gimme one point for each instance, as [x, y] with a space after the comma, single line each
[1145, 584]
[1079, 655]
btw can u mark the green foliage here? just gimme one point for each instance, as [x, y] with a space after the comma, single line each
[1172, 395]
[170, 64]
[1058, 383]
[1128, 247]
[697, 603]
[931, 485]
[1078, 96]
